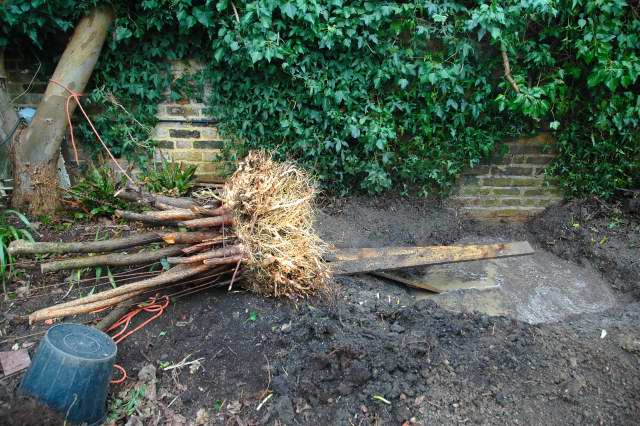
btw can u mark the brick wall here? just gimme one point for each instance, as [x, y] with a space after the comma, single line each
[184, 132]
[510, 187]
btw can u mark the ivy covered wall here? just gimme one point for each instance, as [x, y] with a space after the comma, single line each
[373, 95]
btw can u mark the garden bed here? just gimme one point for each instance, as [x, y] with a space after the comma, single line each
[371, 353]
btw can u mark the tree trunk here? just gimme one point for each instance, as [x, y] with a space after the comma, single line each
[8, 121]
[36, 153]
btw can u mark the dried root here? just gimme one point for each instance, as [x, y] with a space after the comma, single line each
[273, 214]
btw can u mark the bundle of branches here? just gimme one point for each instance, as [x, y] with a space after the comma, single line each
[258, 227]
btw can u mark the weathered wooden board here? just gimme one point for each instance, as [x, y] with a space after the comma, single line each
[354, 261]
[406, 281]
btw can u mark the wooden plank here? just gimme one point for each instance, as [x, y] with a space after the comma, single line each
[366, 260]
[406, 281]
[361, 253]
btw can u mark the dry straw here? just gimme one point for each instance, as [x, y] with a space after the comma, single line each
[272, 205]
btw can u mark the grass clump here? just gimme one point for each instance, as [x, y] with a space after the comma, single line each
[9, 233]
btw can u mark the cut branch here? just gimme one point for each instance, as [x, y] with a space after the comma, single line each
[206, 244]
[54, 312]
[160, 217]
[117, 313]
[155, 200]
[210, 212]
[222, 252]
[114, 259]
[27, 247]
[507, 70]
[224, 260]
[174, 274]
[207, 222]
[192, 237]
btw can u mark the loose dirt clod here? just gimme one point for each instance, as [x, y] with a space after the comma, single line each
[272, 206]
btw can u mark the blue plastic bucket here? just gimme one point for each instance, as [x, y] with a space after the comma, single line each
[71, 371]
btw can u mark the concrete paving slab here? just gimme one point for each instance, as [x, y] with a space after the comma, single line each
[535, 289]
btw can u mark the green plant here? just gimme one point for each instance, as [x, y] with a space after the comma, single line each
[8, 233]
[253, 316]
[96, 192]
[126, 405]
[170, 178]
[369, 95]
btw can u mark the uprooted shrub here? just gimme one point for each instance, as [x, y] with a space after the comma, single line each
[273, 209]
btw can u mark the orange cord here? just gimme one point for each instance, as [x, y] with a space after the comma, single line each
[153, 307]
[121, 379]
[157, 308]
[76, 96]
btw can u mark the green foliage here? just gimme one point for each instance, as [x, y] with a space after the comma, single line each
[8, 233]
[96, 192]
[170, 178]
[126, 404]
[371, 95]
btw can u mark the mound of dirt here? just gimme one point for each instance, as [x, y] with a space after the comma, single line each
[601, 234]
[423, 365]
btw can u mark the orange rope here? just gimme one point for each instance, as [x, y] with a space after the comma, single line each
[76, 96]
[153, 307]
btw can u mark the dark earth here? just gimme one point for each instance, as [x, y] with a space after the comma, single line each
[369, 353]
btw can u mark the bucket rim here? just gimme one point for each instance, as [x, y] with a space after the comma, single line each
[77, 356]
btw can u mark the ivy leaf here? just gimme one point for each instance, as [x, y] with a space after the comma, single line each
[222, 5]
[289, 9]
[123, 33]
[218, 54]
[205, 17]
[256, 55]
[439, 18]
[403, 82]
[612, 83]
[355, 131]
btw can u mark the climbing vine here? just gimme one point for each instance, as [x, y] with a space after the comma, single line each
[375, 95]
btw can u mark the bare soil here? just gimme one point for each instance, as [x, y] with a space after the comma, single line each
[371, 353]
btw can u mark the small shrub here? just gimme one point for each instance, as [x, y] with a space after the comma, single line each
[171, 178]
[10, 233]
[96, 192]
